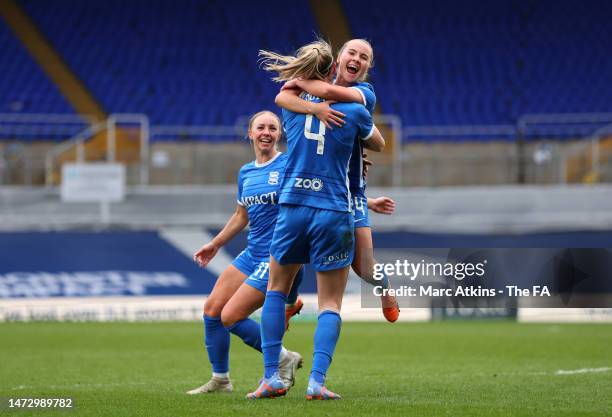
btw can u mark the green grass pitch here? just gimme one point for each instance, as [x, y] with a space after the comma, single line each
[425, 369]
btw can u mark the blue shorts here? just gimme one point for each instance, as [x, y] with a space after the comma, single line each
[360, 209]
[257, 270]
[323, 238]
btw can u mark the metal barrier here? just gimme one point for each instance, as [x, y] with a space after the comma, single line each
[540, 148]
[78, 142]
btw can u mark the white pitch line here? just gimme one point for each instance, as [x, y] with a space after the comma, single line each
[189, 241]
[102, 385]
[581, 371]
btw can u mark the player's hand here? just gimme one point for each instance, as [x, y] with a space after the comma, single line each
[289, 85]
[366, 164]
[327, 115]
[382, 205]
[205, 254]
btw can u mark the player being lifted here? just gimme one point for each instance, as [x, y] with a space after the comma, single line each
[353, 63]
[314, 224]
[241, 287]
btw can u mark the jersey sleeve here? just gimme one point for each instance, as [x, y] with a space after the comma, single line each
[239, 195]
[367, 95]
[365, 125]
[289, 118]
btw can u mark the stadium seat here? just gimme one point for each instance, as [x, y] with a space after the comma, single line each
[180, 62]
[25, 88]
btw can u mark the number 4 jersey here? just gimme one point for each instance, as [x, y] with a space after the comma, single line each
[318, 158]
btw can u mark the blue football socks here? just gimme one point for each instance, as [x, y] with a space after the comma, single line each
[272, 330]
[217, 341]
[249, 331]
[325, 340]
[384, 282]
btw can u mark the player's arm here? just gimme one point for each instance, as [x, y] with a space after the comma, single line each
[382, 205]
[289, 99]
[234, 225]
[366, 164]
[375, 142]
[330, 91]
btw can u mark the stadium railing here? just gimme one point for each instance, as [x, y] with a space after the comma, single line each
[110, 128]
[27, 137]
[540, 149]
[583, 161]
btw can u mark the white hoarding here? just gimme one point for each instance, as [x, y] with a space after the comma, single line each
[93, 182]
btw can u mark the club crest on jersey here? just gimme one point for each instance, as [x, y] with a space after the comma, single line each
[314, 184]
[273, 178]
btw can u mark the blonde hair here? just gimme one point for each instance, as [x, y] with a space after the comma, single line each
[312, 61]
[260, 113]
[371, 63]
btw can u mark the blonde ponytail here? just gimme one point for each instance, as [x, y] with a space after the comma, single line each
[311, 62]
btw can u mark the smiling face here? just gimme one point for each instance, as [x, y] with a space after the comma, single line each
[354, 61]
[264, 132]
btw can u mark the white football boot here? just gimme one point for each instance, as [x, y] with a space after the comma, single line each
[214, 385]
[288, 365]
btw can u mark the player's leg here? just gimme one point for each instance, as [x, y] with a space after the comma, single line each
[288, 251]
[273, 329]
[216, 337]
[294, 302]
[235, 317]
[330, 288]
[363, 265]
[332, 254]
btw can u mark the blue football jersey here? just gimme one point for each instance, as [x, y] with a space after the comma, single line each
[356, 179]
[316, 174]
[258, 186]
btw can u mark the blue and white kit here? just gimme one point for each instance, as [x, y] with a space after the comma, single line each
[258, 186]
[315, 224]
[357, 181]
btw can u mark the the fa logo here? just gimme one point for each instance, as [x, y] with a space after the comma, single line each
[273, 178]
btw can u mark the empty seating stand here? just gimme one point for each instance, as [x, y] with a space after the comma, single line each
[181, 62]
[25, 89]
[438, 62]
[444, 62]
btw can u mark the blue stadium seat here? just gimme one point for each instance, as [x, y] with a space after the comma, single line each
[180, 62]
[25, 88]
[475, 62]
[438, 62]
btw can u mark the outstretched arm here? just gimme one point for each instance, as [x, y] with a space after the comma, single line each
[235, 224]
[382, 205]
